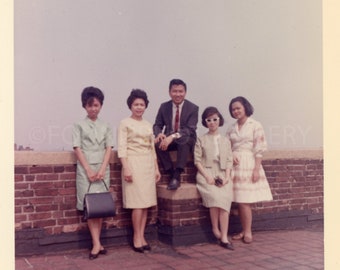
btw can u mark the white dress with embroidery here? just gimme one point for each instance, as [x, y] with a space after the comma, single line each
[247, 143]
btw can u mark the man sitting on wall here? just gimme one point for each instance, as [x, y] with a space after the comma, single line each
[175, 129]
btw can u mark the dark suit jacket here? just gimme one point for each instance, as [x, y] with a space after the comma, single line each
[188, 119]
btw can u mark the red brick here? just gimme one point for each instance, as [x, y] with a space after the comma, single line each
[38, 216]
[24, 193]
[41, 200]
[20, 218]
[46, 192]
[46, 208]
[67, 176]
[67, 191]
[21, 186]
[69, 183]
[58, 169]
[44, 177]
[18, 178]
[21, 170]
[28, 208]
[72, 168]
[41, 223]
[29, 178]
[40, 169]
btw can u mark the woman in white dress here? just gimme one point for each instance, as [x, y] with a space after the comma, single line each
[140, 171]
[248, 144]
[213, 159]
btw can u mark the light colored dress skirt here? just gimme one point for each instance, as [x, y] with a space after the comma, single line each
[83, 183]
[141, 192]
[245, 191]
[213, 196]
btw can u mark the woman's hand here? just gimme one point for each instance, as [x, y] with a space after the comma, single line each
[100, 174]
[210, 180]
[226, 181]
[91, 175]
[256, 175]
[127, 175]
[236, 161]
[158, 175]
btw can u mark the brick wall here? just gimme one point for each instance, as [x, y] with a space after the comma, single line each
[45, 197]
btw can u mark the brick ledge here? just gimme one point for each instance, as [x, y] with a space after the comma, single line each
[68, 157]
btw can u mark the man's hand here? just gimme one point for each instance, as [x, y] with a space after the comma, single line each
[165, 143]
[160, 137]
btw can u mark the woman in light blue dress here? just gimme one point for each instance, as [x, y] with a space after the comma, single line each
[92, 144]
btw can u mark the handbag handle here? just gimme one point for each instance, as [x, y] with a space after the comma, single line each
[103, 183]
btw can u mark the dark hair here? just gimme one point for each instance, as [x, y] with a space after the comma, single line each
[177, 82]
[137, 93]
[89, 94]
[210, 111]
[249, 110]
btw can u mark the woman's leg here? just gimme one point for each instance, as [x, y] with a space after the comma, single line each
[246, 219]
[143, 225]
[95, 226]
[137, 222]
[214, 216]
[224, 224]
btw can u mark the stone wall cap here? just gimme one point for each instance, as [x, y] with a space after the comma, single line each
[68, 157]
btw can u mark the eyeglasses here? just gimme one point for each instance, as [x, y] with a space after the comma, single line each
[212, 119]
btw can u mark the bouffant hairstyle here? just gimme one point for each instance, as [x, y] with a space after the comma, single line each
[177, 82]
[249, 109]
[137, 93]
[209, 111]
[89, 94]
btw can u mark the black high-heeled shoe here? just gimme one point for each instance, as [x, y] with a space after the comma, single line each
[138, 249]
[103, 251]
[93, 256]
[146, 247]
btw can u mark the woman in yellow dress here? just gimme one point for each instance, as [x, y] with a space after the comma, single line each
[140, 171]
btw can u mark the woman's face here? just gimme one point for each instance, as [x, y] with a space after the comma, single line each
[213, 122]
[93, 109]
[138, 107]
[238, 110]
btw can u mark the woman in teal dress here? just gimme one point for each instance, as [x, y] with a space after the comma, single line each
[92, 144]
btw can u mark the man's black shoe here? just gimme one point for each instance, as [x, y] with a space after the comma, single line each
[173, 184]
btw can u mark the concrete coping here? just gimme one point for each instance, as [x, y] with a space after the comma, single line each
[68, 157]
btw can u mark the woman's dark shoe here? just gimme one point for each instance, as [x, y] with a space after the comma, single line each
[227, 245]
[138, 249]
[93, 256]
[146, 247]
[103, 251]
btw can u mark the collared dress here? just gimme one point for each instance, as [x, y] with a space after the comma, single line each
[214, 153]
[248, 143]
[92, 137]
[136, 144]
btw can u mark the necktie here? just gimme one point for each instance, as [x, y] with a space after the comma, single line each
[177, 119]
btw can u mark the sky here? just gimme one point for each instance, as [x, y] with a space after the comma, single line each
[268, 51]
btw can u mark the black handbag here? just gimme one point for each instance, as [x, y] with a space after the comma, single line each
[99, 204]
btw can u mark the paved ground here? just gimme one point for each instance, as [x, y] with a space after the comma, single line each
[293, 250]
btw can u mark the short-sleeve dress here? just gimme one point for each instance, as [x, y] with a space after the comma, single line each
[214, 154]
[248, 143]
[92, 137]
[136, 144]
